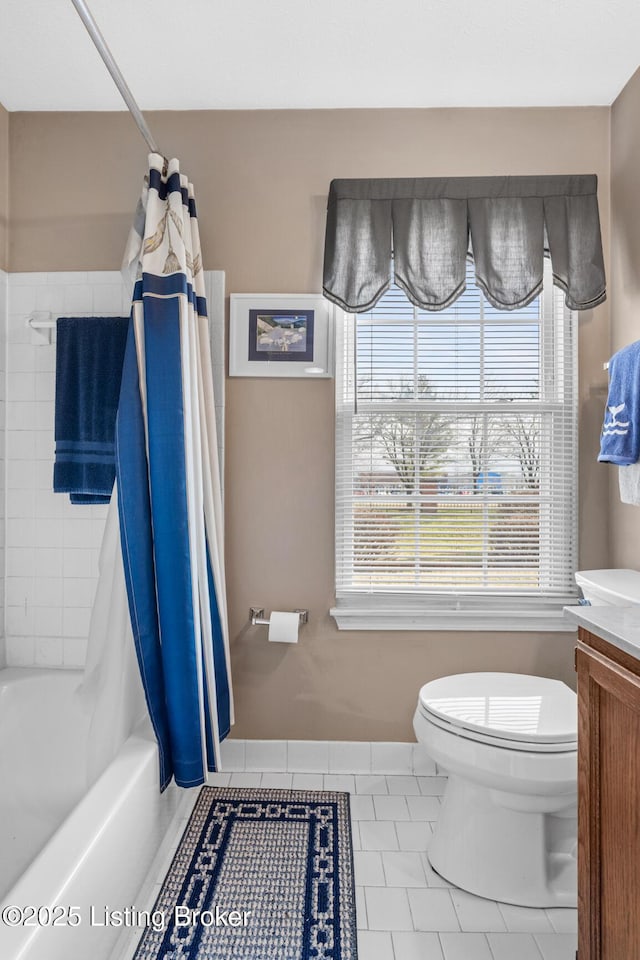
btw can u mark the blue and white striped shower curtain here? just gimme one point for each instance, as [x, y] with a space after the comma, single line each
[168, 482]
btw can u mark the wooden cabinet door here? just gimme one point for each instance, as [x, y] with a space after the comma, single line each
[608, 808]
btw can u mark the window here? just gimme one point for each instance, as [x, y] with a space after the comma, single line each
[456, 464]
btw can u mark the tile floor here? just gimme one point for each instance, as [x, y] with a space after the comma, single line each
[406, 911]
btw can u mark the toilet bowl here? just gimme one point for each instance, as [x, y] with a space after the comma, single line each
[507, 826]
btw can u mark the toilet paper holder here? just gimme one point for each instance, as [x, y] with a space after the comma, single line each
[257, 617]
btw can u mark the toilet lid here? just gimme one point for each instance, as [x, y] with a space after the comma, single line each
[510, 706]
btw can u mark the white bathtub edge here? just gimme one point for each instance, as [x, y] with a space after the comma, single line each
[63, 873]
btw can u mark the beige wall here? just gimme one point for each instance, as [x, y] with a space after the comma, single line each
[625, 284]
[4, 189]
[261, 184]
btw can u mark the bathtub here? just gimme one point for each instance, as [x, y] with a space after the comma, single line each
[63, 848]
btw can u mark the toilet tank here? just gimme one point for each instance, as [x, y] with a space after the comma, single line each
[602, 588]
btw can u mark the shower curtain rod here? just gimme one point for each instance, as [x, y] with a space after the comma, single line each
[94, 32]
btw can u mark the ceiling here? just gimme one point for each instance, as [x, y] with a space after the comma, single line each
[255, 54]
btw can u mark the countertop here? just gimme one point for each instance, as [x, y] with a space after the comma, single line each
[618, 625]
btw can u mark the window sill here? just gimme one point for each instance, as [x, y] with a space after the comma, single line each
[524, 620]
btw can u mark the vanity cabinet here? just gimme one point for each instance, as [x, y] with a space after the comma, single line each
[608, 801]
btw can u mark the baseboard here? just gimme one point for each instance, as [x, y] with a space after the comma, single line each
[326, 756]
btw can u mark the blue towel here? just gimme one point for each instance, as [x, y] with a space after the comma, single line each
[620, 439]
[89, 357]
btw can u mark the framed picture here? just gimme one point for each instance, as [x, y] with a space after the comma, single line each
[280, 335]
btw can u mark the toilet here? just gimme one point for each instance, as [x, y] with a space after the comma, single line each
[606, 588]
[507, 827]
[508, 742]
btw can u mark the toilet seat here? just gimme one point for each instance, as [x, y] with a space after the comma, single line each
[513, 711]
[570, 746]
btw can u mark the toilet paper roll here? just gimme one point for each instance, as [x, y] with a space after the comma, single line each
[283, 627]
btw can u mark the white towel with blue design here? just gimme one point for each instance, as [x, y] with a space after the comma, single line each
[620, 438]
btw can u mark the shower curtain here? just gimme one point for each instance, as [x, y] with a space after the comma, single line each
[168, 483]
[111, 691]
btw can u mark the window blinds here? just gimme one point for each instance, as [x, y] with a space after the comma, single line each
[456, 450]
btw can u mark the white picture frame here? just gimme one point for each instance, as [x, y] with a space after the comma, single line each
[281, 335]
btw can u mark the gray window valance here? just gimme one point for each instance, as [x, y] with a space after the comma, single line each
[430, 225]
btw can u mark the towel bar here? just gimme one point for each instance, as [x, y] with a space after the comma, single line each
[44, 320]
[41, 322]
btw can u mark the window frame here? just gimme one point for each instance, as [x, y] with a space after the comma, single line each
[371, 609]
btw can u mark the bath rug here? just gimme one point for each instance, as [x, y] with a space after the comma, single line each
[258, 875]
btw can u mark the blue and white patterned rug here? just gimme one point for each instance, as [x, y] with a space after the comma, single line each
[258, 875]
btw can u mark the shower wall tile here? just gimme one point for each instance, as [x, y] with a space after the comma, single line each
[20, 651]
[19, 621]
[51, 547]
[78, 591]
[19, 561]
[76, 563]
[48, 652]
